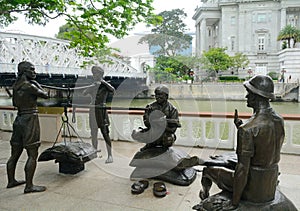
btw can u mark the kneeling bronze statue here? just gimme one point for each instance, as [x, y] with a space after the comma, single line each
[248, 179]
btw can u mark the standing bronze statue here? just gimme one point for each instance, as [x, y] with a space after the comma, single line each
[26, 128]
[98, 116]
[254, 177]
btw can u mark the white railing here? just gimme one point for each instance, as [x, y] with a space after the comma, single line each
[43, 69]
[7, 117]
[54, 56]
[198, 129]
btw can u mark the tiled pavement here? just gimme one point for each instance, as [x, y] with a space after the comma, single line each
[107, 186]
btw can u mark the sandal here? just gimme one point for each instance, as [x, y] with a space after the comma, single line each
[159, 189]
[139, 186]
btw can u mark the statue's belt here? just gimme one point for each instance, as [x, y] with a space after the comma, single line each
[27, 111]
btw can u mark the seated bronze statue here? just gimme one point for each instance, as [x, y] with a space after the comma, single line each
[251, 175]
[161, 121]
[158, 159]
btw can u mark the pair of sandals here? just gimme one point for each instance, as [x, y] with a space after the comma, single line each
[159, 188]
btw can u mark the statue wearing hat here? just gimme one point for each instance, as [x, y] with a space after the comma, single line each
[251, 174]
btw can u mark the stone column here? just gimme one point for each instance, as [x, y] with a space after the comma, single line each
[283, 18]
[198, 38]
[203, 35]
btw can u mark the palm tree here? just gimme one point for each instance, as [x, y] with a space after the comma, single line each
[289, 33]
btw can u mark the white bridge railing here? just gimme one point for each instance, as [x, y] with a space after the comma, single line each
[210, 130]
[54, 56]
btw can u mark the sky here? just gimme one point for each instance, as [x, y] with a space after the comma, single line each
[52, 27]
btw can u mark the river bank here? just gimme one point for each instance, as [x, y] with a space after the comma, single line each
[286, 92]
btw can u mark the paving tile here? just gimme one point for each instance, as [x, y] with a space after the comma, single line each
[103, 186]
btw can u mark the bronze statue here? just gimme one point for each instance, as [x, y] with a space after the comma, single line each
[158, 159]
[253, 177]
[161, 121]
[26, 128]
[98, 116]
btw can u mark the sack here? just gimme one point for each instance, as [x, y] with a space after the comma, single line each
[147, 135]
[74, 152]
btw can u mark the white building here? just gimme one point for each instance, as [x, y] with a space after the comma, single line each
[138, 54]
[250, 27]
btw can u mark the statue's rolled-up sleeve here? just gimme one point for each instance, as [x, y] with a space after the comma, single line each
[245, 145]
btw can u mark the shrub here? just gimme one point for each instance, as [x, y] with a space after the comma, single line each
[273, 75]
[230, 78]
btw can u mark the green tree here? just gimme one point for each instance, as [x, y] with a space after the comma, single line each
[239, 60]
[215, 60]
[35, 12]
[193, 62]
[169, 69]
[172, 65]
[169, 35]
[174, 68]
[289, 33]
[93, 20]
[64, 32]
[284, 45]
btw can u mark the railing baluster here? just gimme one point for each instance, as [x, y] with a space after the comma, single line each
[122, 124]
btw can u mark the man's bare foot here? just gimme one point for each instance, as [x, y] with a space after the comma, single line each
[109, 159]
[15, 183]
[34, 188]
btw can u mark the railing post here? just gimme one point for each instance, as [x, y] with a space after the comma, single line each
[122, 124]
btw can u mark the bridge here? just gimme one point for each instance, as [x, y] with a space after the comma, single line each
[59, 65]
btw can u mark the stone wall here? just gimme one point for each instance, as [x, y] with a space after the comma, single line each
[217, 91]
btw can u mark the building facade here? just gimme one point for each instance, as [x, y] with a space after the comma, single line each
[247, 26]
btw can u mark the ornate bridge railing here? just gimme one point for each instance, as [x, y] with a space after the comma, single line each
[53, 56]
[212, 130]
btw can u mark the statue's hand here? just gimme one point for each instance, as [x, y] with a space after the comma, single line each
[238, 122]
[190, 162]
[163, 119]
[133, 132]
[214, 157]
[229, 206]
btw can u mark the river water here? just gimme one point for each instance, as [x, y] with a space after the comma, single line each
[210, 105]
[188, 105]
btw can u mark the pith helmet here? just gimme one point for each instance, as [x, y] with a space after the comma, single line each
[162, 88]
[261, 85]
